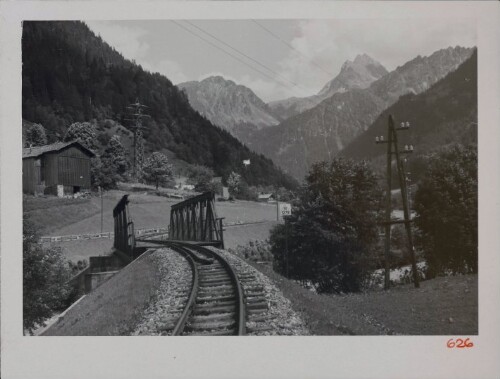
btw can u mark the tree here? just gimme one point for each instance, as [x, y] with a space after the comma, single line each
[115, 155]
[447, 211]
[156, 169]
[111, 167]
[45, 279]
[233, 182]
[83, 132]
[201, 177]
[35, 136]
[332, 229]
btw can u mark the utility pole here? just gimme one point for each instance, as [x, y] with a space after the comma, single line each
[136, 114]
[102, 219]
[393, 149]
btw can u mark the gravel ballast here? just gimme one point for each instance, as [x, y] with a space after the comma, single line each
[275, 318]
[162, 313]
[279, 318]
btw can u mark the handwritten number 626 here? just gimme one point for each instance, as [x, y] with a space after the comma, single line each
[459, 343]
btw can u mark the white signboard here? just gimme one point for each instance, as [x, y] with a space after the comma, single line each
[284, 209]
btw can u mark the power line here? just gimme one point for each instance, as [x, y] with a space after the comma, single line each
[309, 60]
[245, 55]
[231, 55]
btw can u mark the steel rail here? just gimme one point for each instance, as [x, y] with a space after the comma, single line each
[179, 327]
[241, 300]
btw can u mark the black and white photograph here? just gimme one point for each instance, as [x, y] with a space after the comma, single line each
[275, 177]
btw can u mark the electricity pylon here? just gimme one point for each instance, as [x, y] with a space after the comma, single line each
[136, 114]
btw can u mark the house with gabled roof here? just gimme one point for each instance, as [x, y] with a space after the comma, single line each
[61, 168]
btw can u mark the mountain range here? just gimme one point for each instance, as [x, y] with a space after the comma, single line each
[323, 131]
[359, 73]
[232, 107]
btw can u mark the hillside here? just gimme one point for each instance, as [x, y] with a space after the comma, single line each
[445, 113]
[323, 131]
[359, 73]
[231, 106]
[70, 74]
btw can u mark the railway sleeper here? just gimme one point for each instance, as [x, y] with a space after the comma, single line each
[261, 305]
[217, 316]
[246, 276]
[211, 310]
[203, 300]
[213, 274]
[227, 332]
[251, 312]
[220, 303]
[214, 277]
[211, 325]
[215, 288]
[216, 283]
[253, 288]
[209, 278]
[217, 291]
[211, 269]
[257, 300]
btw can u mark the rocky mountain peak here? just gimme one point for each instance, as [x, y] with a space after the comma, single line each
[359, 73]
[229, 105]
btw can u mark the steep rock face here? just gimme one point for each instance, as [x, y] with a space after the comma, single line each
[318, 133]
[359, 73]
[419, 74]
[323, 131]
[229, 105]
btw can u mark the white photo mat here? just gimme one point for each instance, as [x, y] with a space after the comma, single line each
[247, 357]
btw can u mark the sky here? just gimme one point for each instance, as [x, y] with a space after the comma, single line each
[277, 59]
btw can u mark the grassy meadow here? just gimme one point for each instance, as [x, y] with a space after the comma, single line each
[58, 217]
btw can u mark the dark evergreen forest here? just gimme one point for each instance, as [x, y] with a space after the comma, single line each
[72, 75]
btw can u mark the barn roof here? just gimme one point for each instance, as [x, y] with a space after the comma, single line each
[36, 151]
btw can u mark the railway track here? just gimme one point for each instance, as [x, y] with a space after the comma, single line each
[215, 305]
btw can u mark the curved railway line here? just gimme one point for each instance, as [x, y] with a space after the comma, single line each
[215, 305]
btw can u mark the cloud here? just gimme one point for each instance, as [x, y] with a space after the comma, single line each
[172, 70]
[128, 40]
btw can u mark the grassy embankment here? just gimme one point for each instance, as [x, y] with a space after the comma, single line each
[114, 307]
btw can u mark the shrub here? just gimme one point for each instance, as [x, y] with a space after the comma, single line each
[332, 228]
[447, 211]
[45, 279]
[256, 251]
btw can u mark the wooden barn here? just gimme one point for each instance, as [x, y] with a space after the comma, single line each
[62, 168]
